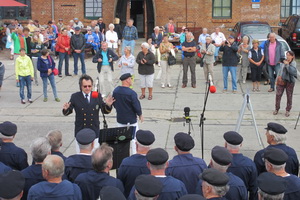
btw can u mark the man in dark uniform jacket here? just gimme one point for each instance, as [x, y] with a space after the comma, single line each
[93, 181]
[215, 184]
[185, 166]
[54, 187]
[11, 185]
[147, 187]
[87, 108]
[4, 168]
[157, 163]
[275, 160]
[221, 160]
[270, 186]
[82, 162]
[40, 148]
[55, 140]
[276, 138]
[241, 165]
[136, 164]
[10, 154]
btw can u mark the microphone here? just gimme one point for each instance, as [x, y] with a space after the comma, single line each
[212, 88]
[95, 93]
[187, 114]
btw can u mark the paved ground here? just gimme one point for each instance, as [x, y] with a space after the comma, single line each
[160, 114]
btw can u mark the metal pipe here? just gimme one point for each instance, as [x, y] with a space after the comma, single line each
[186, 10]
[52, 9]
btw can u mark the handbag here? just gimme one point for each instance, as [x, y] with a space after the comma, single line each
[55, 71]
[280, 81]
[171, 59]
[202, 61]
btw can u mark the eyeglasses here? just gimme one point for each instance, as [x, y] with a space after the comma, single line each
[86, 86]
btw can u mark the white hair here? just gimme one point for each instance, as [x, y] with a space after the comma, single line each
[6, 137]
[218, 190]
[217, 166]
[40, 148]
[265, 196]
[128, 48]
[204, 29]
[145, 45]
[279, 138]
[111, 26]
[55, 139]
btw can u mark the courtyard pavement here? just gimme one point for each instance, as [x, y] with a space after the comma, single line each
[163, 115]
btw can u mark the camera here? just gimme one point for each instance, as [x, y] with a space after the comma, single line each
[226, 42]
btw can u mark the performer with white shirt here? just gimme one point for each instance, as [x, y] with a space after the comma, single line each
[111, 37]
[218, 38]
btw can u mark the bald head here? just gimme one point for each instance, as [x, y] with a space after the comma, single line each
[54, 166]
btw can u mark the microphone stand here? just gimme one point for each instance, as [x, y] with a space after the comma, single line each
[202, 117]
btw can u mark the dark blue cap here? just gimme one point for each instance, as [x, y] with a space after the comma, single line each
[111, 193]
[277, 128]
[192, 197]
[11, 184]
[125, 76]
[275, 156]
[8, 128]
[271, 184]
[85, 136]
[214, 177]
[221, 155]
[145, 137]
[184, 141]
[157, 156]
[148, 185]
[233, 138]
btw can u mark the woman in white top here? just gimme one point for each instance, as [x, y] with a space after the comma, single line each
[111, 37]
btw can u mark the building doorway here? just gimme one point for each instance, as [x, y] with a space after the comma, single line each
[137, 11]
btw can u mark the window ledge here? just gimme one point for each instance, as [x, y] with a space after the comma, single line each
[221, 20]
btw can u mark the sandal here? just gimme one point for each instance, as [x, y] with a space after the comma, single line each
[150, 97]
[275, 112]
[287, 113]
[142, 96]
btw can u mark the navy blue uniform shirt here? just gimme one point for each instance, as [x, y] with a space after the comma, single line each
[186, 168]
[13, 156]
[292, 191]
[4, 168]
[77, 164]
[58, 153]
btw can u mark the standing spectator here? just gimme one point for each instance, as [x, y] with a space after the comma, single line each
[130, 34]
[286, 81]
[101, 25]
[256, 58]
[86, 108]
[77, 23]
[60, 24]
[189, 49]
[165, 50]
[202, 37]
[28, 40]
[104, 59]
[218, 40]
[118, 29]
[92, 40]
[63, 48]
[54, 187]
[265, 67]
[55, 140]
[78, 45]
[24, 74]
[45, 65]
[127, 62]
[183, 33]
[170, 27]
[33, 174]
[36, 47]
[19, 41]
[10, 42]
[111, 37]
[208, 51]
[229, 62]
[145, 60]
[11, 155]
[31, 26]
[156, 40]
[243, 50]
[92, 181]
[273, 56]
[2, 71]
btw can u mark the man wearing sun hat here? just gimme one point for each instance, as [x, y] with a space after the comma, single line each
[185, 160]
[276, 137]
[241, 165]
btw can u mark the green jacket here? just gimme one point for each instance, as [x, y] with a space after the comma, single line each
[17, 45]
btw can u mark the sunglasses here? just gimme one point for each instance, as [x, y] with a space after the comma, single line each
[87, 86]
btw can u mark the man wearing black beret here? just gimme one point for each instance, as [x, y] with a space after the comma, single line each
[241, 165]
[185, 160]
[157, 163]
[221, 159]
[127, 106]
[275, 161]
[270, 186]
[11, 185]
[136, 164]
[214, 184]
[111, 193]
[276, 137]
[147, 187]
[11, 155]
[81, 162]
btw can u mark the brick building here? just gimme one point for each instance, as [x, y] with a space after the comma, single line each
[149, 13]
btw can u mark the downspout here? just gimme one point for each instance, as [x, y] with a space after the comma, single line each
[52, 9]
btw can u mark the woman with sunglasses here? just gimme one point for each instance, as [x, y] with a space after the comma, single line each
[286, 81]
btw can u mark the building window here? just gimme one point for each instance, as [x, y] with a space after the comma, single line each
[289, 7]
[93, 9]
[16, 12]
[221, 9]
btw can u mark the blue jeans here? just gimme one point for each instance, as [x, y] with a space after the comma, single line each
[232, 70]
[271, 70]
[45, 84]
[63, 56]
[130, 43]
[81, 56]
[25, 81]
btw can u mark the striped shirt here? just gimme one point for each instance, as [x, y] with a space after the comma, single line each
[130, 33]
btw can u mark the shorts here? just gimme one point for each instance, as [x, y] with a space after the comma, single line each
[146, 81]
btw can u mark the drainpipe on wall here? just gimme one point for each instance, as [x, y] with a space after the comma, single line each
[52, 9]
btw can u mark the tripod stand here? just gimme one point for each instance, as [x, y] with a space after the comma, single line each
[188, 121]
[297, 121]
